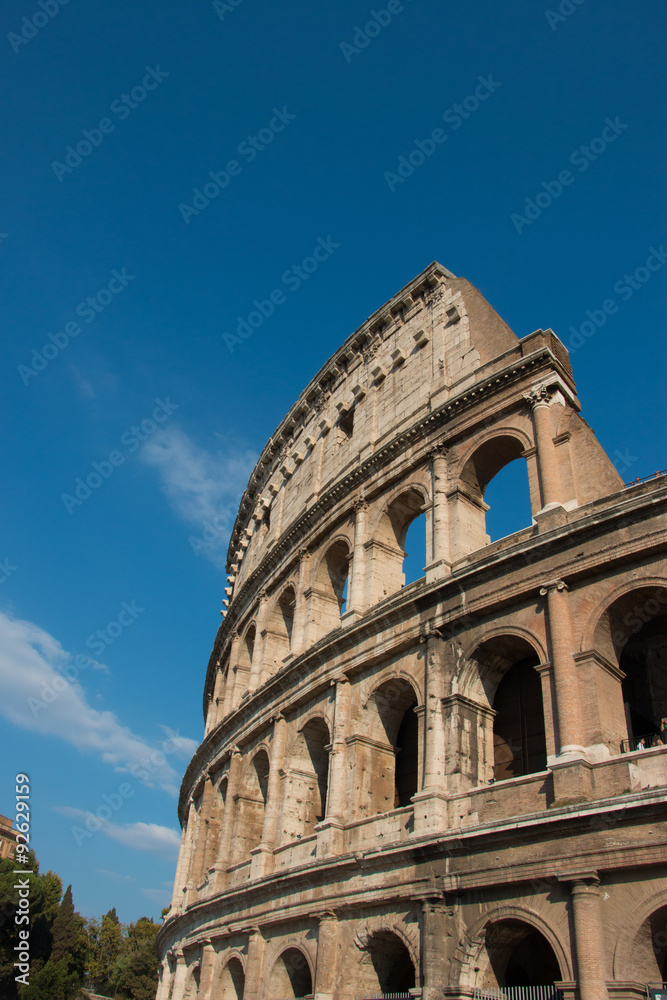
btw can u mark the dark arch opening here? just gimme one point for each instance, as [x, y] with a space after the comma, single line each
[249, 640]
[644, 663]
[391, 962]
[395, 703]
[232, 981]
[519, 741]
[291, 976]
[286, 605]
[407, 758]
[520, 956]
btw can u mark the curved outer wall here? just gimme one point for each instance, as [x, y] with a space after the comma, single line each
[369, 811]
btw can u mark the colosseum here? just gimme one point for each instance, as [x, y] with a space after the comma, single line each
[451, 787]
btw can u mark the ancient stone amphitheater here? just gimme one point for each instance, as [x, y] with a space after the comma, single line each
[454, 787]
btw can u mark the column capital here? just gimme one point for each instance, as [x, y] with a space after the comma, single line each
[559, 585]
[360, 504]
[582, 881]
[429, 631]
[538, 395]
[234, 635]
[324, 916]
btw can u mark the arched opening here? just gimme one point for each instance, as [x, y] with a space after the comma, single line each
[306, 799]
[393, 775]
[389, 967]
[649, 950]
[232, 981]
[388, 547]
[290, 976]
[192, 986]
[329, 595]
[406, 777]
[249, 821]
[415, 550]
[249, 645]
[519, 955]
[507, 497]
[633, 633]
[519, 742]
[501, 731]
[471, 503]
[279, 630]
[644, 663]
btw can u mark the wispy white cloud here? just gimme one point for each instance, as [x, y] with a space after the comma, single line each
[35, 695]
[202, 487]
[159, 840]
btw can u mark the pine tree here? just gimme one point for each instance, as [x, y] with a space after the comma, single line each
[106, 953]
[62, 975]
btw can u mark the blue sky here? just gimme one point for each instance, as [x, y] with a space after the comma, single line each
[136, 285]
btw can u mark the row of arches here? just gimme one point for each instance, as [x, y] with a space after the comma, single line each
[505, 951]
[392, 543]
[500, 726]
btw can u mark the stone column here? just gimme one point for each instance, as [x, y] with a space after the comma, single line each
[559, 627]
[327, 942]
[357, 583]
[262, 855]
[440, 563]
[232, 694]
[258, 649]
[196, 871]
[540, 400]
[300, 609]
[180, 975]
[253, 971]
[215, 711]
[330, 831]
[431, 801]
[435, 959]
[226, 827]
[184, 855]
[208, 957]
[588, 937]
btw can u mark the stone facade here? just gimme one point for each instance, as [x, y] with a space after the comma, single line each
[450, 786]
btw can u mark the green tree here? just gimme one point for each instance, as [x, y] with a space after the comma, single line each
[62, 975]
[136, 973]
[105, 941]
[44, 895]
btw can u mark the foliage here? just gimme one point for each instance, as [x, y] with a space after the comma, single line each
[118, 962]
[45, 892]
[137, 968]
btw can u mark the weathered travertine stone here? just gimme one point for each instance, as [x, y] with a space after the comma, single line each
[430, 787]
